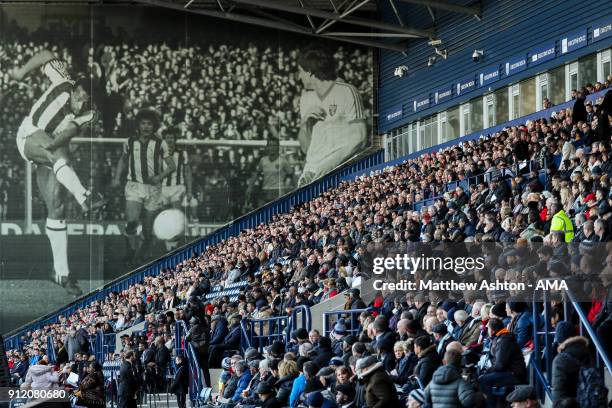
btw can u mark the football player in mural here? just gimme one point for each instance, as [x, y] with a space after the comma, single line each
[148, 161]
[43, 138]
[333, 123]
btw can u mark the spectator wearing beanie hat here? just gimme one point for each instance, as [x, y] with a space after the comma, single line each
[508, 366]
[338, 334]
[315, 400]
[499, 310]
[266, 394]
[414, 329]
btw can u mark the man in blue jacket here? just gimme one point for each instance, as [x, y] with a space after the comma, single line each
[219, 330]
[521, 323]
[244, 377]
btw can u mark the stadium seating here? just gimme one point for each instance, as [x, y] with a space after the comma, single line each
[487, 211]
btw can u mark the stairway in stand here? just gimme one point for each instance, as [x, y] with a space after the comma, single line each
[160, 400]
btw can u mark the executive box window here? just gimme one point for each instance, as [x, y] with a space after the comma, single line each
[587, 67]
[476, 120]
[501, 105]
[498, 107]
[527, 97]
[605, 66]
[556, 85]
[449, 124]
[429, 131]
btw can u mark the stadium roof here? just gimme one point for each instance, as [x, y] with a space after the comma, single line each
[353, 21]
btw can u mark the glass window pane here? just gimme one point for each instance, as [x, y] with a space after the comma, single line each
[544, 92]
[587, 67]
[467, 128]
[515, 107]
[574, 81]
[434, 130]
[528, 97]
[556, 82]
[476, 114]
[606, 69]
[501, 106]
[452, 123]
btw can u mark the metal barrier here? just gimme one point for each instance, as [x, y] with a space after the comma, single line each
[351, 318]
[253, 219]
[51, 353]
[260, 333]
[543, 340]
[196, 377]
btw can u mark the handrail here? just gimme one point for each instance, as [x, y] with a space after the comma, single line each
[196, 382]
[351, 312]
[544, 378]
[584, 322]
[51, 350]
[279, 327]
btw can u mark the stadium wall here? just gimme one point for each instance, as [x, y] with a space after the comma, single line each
[507, 30]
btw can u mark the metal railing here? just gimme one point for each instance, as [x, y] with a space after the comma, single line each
[351, 318]
[542, 358]
[260, 333]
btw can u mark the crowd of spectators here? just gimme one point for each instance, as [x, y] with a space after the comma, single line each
[228, 92]
[412, 347]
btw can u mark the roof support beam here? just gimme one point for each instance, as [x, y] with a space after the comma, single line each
[343, 15]
[445, 5]
[397, 15]
[262, 22]
[365, 34]
[276, 5]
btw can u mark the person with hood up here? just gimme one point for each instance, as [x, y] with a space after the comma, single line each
[447, 388]
[40, 376]
[573, 354]
[379, 388]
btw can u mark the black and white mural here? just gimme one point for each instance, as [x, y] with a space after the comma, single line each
[127, 131]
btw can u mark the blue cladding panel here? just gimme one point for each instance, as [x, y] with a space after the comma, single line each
[508, 29]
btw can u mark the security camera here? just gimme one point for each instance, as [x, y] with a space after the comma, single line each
[442, 53]
[434, 43]
[400, 71]
[432, 60]
[477, 55]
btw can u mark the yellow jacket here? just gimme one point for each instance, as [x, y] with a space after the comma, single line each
[561, 222]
